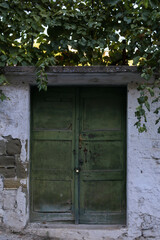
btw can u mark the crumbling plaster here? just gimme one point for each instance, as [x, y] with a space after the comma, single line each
[143, 174]
[15, 124]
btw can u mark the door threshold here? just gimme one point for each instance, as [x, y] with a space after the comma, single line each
[48, 225]
[76, 232]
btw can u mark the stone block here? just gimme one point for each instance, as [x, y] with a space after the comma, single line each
[12, 183]
[1, 183]
[20, 170]
[7, 161]
[13, 146]
[8, 172]
[2, 147]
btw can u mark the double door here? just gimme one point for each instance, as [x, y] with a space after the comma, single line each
[78, 155]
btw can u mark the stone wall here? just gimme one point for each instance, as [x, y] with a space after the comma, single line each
[143, 173]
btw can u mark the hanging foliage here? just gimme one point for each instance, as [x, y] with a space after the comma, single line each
[90, 32]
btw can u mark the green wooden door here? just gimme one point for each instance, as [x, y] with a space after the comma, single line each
[78, 155]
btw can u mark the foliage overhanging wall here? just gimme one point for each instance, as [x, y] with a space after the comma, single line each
[43, 34]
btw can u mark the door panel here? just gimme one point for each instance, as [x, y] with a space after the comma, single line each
[102, 196]
[60, 192]
[55, 107]
[52, 175]
[104, 115]
[58, 155]
[102, 156]
[78, 155]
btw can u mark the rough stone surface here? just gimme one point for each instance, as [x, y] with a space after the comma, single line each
[2, 147]
[7, 161]
[1, 183]
[13, 146]
[13, 183]
[82, 69]
[21, 169]
[143, 175]
[8, 172]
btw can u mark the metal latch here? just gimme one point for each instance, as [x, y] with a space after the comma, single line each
[77, 170]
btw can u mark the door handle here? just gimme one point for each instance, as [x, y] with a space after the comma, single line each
[80, 141]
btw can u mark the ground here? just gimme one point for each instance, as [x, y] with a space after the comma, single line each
[8, 235]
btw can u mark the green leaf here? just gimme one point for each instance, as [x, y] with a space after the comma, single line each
[136, 60]
[3, 58]
[142, 129]
[145, 2]
[147, 105]
[137, 124]
[157, 110]
[4, 5]
[151, 91]
[2, 96]
[141, 87]
[157, 121]
[127, 20]
[142, 99]
[119, 15]
[2, 64]
[3, 80]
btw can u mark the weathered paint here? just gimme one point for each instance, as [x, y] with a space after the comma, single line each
[14, 131]
[54, 169]
[143, 172]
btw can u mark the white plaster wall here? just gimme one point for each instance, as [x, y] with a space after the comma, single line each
[143, 170]
[143, 174]
[15, 121]
[15, 114]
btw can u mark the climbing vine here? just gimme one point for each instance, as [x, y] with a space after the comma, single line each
[80, 33]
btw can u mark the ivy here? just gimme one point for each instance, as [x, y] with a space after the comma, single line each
[3, 82]
[73, 32]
